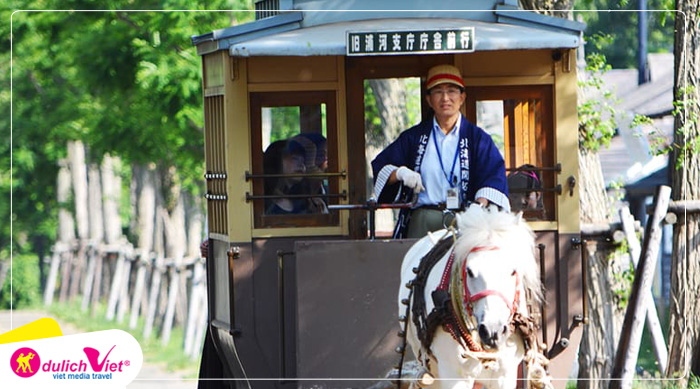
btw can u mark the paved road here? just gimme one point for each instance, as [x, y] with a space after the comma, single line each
[151, 376]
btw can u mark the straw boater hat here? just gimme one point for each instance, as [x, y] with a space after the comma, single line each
[444, 74]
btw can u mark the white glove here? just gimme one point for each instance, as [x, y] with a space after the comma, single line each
[410, 178]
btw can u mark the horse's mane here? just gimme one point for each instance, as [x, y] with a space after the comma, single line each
[480, 226]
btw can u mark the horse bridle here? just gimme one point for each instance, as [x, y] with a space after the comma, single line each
[470, 299]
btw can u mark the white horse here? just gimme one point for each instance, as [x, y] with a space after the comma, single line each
[493, 265]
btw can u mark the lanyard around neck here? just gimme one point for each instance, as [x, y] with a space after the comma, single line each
[452, 179]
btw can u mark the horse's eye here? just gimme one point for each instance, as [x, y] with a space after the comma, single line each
[469, 273]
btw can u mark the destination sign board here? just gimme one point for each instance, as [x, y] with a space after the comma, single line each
[435, 41]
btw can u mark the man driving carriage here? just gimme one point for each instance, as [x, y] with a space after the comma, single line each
[446, 160]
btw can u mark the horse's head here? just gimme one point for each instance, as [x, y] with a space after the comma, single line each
[494, 258]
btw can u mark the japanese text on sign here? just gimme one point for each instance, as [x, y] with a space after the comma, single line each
[406, 42]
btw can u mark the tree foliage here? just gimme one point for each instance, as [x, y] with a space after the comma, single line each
[127, 83]
[621, 24]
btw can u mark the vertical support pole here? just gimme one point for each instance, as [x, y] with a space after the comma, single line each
[628, 347]
[653, 324]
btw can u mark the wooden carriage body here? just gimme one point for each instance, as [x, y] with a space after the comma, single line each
[308, 297]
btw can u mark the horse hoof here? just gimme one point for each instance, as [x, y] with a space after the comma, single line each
[424, 378]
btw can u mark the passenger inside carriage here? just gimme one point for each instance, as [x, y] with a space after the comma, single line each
[295, 156]
[524, 186]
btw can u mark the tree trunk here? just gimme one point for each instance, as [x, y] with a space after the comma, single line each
[143, 186]
[78, 169]
[76, 155]
[600, 336]
[96, 233]
[66, 226]
[66, 229]
[111, 185]
[391, 98]
[558, 8]
[4, 267]
[175, 244]
[195, 224]
[145, 183]
[684, 335]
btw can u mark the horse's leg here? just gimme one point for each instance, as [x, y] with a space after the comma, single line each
[510, 379]
[452, 370]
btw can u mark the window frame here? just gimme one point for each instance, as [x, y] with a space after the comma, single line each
[259, 100]
[544, 135]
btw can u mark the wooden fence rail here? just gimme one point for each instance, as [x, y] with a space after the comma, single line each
[120, 276]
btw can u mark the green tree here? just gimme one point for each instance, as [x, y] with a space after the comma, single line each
[127, 83]
[622, 24]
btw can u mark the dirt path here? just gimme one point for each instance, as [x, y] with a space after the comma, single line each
[151, 375]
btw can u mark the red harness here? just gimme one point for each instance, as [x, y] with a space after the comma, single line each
[469, 299]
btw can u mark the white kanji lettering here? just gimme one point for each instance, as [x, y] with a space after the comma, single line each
[451, 40]
[464, 39]
[369, 43]
[424, 41]
[382, 42]
[410, 39]
[437, 41]
[355, 43]
[396, 40]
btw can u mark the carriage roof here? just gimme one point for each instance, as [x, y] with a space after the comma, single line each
[302, 31]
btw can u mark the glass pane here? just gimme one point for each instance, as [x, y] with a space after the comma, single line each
[489, 116]
[392, 105]
[516, 128]
[294, 145]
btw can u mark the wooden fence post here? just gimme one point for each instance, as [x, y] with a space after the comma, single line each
[115, 288]
[201, 323]
[66, 265]
[123, 303]
[195, 305]
[138, 288]
[90, 278]
[153, 297]
[173, 286]
[628, 347]
[652, 322]
[58, 249]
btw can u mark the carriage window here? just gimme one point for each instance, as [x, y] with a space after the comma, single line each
[522, 135]
[293, 152]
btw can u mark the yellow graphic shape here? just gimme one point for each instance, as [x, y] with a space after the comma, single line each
[23, 362]
[38, 329]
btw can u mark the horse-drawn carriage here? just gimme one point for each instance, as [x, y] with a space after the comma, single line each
[298, 296]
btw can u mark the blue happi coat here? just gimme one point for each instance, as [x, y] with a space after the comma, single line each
[481, 167]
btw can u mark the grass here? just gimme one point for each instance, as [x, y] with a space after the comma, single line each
[171, 356]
